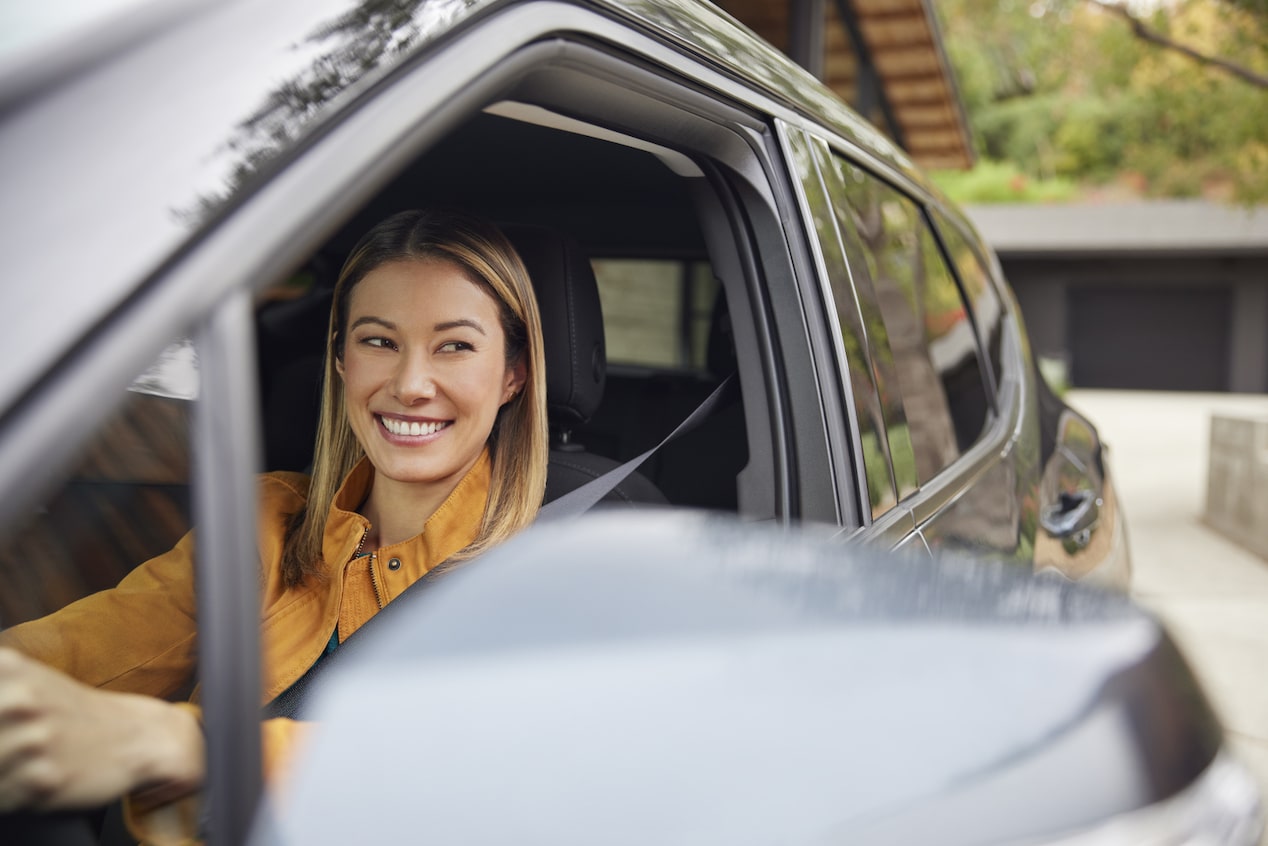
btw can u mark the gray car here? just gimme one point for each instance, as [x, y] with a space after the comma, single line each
[706, 227]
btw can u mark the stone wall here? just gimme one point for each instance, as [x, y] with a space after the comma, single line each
[1237, 481]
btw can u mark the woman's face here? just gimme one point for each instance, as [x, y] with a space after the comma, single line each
[424, 370]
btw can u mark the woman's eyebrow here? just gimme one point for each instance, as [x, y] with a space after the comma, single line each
[454, 324]
[361, 321]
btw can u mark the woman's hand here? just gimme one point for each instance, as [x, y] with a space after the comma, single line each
[65, 745]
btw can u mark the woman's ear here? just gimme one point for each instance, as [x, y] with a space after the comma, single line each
[338, 362]
[516, 376]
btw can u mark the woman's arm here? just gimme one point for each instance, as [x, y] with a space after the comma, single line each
[138, 637]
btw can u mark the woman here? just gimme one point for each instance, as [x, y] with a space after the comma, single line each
[431, 448]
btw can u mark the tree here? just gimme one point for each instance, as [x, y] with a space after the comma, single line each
[1063, 89]
[1145, 32]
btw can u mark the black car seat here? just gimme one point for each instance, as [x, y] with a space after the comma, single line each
[701, 467]
[292, 344]
[576, 361]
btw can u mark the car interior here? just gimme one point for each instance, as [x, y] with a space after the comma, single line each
[631, 350]
[570, 203]
[564, 200]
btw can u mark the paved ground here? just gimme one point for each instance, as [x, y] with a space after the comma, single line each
[1212, 594]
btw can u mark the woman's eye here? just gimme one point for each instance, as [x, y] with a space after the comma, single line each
[455, 346]
[382, 343]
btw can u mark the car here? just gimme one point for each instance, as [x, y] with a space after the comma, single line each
[702, 220]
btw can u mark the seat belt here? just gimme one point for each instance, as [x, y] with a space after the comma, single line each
[572, 504]
[580, 500]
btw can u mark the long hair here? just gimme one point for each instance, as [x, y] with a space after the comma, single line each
[518, 442]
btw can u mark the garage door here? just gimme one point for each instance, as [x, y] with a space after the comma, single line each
[1151, 339]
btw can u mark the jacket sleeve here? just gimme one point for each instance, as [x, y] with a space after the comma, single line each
[141, 635]
[137, 637]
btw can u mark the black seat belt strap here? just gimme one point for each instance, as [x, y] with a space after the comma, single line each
[582, 499]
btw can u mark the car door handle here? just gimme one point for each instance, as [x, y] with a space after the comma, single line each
[1072, 516]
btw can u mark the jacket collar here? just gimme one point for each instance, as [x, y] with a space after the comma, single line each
[453, 526]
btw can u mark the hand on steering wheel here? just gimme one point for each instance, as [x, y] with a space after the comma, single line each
[64, 745]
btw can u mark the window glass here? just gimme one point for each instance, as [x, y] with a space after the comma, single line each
[988, 311]
[656, 312]
[837, 175]
[858, 359]
[927, 328]
[124, 501]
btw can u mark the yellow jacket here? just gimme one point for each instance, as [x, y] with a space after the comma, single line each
[141, 636]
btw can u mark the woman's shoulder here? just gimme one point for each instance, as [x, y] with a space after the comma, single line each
[283, 491]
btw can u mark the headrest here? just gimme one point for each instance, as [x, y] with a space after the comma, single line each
[572, 320]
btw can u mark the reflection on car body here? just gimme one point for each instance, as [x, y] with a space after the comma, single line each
[722, 214]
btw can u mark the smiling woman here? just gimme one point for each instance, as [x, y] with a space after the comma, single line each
[431, 448]
[434, 321]
[422, 392]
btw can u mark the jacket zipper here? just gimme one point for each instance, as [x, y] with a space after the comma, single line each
[374, 580]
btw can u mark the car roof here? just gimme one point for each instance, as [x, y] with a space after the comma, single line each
[118, 154]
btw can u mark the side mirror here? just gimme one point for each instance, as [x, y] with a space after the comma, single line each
[670, 677]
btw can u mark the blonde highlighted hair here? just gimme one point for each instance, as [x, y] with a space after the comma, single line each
[518, 441]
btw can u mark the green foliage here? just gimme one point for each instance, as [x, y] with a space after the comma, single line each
[1002, 182]
[1095, 135]
[1021, 131]
[1066, 94]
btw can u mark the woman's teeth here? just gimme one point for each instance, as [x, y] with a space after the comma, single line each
[402, 427]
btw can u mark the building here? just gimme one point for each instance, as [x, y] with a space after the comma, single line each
[1164, 295]
[883, 57]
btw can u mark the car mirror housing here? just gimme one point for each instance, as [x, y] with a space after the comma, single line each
[677, 677]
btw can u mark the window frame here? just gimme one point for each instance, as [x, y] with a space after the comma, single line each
[934, 496]
[837, 382]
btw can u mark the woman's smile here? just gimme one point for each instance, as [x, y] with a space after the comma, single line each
[414, 430]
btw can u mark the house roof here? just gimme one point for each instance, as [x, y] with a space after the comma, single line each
[899, 42]
[1162, 227]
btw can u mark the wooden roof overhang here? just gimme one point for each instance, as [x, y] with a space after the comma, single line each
[883, 57]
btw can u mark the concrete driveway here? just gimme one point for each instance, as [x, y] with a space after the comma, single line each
[1212, 594]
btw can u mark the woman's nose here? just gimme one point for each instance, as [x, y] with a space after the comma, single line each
[413, 380]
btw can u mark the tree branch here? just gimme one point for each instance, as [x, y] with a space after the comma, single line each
[1145, 33]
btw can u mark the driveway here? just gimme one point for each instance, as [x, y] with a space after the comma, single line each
[1212, 594]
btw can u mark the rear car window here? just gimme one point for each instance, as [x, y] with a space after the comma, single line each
[927, 330]
[988, 311]
[865, 374]
[657, 312]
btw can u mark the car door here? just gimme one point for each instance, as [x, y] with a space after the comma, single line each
[938, 441]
